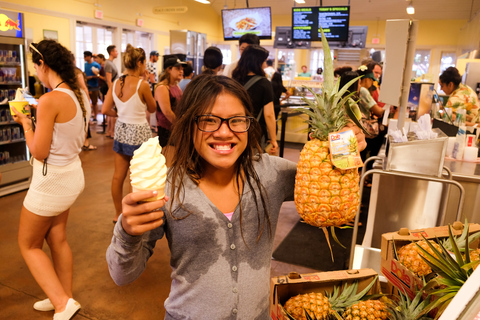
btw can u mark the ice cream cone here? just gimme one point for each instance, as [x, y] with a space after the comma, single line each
[160, 195]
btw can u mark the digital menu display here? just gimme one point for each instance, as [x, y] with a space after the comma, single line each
[306, 23]
[237, 22]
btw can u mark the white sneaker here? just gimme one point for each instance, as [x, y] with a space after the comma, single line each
[70, 311]
[44, 305]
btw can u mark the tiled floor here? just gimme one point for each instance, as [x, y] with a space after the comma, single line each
[89, 231]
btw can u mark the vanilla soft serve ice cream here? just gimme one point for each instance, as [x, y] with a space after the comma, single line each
[19, 95]
[148, 170]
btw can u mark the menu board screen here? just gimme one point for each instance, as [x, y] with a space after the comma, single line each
[306, 22]
[237, 22]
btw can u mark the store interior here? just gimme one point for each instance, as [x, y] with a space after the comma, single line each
[447, 36]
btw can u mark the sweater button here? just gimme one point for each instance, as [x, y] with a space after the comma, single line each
[230, 225]
[232, 247]
[234, 311]
[234, 268]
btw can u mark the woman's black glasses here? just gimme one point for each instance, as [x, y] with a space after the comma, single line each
[211, 123]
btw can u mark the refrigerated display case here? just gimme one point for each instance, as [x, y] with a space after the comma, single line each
[14, 155]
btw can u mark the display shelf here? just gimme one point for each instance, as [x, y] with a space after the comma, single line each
[17, 83]
[7, 122]
[12, 141]
[10, 64]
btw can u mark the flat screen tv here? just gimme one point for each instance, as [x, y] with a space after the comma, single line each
[237, 22]
[306, 22]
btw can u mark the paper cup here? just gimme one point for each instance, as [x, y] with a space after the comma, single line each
[450, 145]
[20, 106]
[470, 154]
[160, 196]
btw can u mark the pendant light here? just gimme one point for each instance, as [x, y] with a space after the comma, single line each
[410, 8]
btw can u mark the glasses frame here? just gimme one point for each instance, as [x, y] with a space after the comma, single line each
[36, 50]
[222, 120]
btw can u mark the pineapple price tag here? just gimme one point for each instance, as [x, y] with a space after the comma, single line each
[344, 150]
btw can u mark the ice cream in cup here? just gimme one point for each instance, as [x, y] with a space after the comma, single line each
[148, 169]
[19, 103]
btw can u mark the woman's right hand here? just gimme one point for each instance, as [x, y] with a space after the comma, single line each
[139, 217]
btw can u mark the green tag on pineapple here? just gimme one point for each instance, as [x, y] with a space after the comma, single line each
[344, 150]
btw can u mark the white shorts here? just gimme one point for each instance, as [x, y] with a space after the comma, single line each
[52, 194]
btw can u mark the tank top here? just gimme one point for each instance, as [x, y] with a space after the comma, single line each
[133, 110]
[68, 137]
[175, 94]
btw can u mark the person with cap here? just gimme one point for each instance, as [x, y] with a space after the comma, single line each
[152, 68]
[212, 60]
[92, 68]
[167, 94]
[366, 100]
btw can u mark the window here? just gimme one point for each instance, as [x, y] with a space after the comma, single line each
[447, 60]
[137, 39]
[421, 63]
[316, 59]
[91, 38]
[226, 52]
[286, 62]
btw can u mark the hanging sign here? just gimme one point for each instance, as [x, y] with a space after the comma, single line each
[11, 24]
[163, 10]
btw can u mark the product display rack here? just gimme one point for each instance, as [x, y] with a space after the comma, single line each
[14, 155]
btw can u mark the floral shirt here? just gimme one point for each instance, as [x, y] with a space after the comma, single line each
[465, 97]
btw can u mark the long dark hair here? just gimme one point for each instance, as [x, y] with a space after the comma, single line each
[346, 78]
[198, 98]
[59, 59]
[251, 60]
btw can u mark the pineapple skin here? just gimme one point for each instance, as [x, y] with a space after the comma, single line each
[324, 196]
[369, 309]
[315, 303]
[409, 256]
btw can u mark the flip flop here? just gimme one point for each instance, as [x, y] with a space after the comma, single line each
[89, 148]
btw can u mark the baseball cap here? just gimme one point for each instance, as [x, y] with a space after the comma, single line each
[371, 76]
[154, 53]
[172, 62]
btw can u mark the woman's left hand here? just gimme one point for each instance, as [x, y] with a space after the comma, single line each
[20, 117]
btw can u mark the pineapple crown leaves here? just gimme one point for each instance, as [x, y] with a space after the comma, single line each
[348, 296]
[461, 240]
[329, 112]
[406, 309]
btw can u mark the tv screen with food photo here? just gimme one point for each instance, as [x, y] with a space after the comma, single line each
[237, 22]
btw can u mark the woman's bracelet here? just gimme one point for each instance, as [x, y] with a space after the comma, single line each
[25, 131]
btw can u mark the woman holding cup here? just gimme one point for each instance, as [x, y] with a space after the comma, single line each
[54, 143]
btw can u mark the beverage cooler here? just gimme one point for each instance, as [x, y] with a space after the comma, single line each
[191, 44]
[14, 155]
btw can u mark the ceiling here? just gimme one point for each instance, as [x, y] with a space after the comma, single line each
[362, 10]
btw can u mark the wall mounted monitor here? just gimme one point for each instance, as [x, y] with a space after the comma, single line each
[306, 22]
[237, 22]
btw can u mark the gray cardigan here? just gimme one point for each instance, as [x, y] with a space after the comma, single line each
[216, 274]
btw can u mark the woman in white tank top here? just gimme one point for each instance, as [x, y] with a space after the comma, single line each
[132, 97]
[57, 179]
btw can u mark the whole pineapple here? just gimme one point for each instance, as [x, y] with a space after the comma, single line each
[324, 307]
[326, 196]
[315, 303]
[369, 309]
[461, 241]
[409, 256]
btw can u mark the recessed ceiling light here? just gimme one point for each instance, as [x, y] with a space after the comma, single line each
[203, 1]
[300, 1]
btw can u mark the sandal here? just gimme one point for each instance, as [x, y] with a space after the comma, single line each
[89, 148]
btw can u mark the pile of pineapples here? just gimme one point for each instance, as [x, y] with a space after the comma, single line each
[447, 263]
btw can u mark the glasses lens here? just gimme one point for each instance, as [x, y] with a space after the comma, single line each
[239, 124]
[208, 123]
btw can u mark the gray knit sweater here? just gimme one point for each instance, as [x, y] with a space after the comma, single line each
[216, 274]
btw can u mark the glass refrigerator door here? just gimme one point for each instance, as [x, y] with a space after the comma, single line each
[14, 154]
